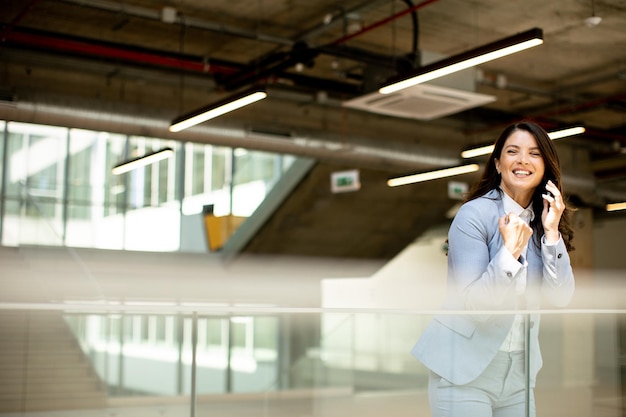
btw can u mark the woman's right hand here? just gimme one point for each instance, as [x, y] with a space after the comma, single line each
[515, 233]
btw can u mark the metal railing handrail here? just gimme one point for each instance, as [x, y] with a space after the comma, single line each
[172, 308]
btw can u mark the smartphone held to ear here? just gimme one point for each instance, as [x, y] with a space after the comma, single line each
[547, 191]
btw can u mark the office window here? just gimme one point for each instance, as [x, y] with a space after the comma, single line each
[220, 162]
[254, 166]
[115, 328]
[150, 186]
[207, 178]
[254, 175]
[161, 329]
[35, 174]
[115, 186]
[239, 333]
[215, 329]
[266, 333]
[2, 143]
[197, 169]
[129, 325]
[59, 189]
[95, 196]
[152, 221]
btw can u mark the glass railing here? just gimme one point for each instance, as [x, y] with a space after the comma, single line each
[176, 361]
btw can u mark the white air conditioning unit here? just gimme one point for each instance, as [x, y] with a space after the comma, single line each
[438, 98]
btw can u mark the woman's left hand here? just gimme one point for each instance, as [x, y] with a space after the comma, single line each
[553, 207]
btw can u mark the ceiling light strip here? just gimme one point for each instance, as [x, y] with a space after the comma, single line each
[142, 161]
[616, 206]
[217, 109]
[483, 150]
[480, 55]
[557, 134]
[432, 175]
[570, 131]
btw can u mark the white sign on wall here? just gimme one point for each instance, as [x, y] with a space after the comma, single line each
[457, 190]
[343, 181]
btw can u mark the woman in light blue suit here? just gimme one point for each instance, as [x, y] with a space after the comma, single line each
[507, 250]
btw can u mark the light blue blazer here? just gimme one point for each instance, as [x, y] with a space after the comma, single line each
[482, 276]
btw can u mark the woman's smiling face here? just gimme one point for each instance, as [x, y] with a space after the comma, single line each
[521, 166]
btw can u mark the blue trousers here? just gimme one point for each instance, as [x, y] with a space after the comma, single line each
[500, 391]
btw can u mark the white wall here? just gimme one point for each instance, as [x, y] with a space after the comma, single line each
[414, 279]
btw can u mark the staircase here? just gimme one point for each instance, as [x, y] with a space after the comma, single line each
[42, 367]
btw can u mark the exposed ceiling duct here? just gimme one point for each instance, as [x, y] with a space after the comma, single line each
[389, 156]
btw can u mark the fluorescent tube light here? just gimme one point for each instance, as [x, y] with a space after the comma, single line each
[432, 175]
[616, 206]
[142, 161]
[557, 134]
[217, 109]
[570, 131]
[483, 150]
[480, 55]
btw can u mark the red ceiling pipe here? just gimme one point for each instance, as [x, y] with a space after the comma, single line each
[86, 48]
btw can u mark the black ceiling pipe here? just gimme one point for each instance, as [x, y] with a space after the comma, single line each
[269, 66]
[300, 53]
[338, 89]
[368, 57]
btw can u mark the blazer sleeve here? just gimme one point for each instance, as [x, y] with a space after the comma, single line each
[557, 286]
[480, 270]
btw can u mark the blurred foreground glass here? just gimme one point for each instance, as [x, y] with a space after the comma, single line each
[324, 363]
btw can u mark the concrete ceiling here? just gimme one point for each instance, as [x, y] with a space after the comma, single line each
[132, 66]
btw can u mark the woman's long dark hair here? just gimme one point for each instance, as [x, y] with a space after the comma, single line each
[491, 179]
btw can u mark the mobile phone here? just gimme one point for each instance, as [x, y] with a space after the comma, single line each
[544, 186]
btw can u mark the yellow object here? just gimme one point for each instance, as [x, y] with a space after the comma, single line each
[220, 229]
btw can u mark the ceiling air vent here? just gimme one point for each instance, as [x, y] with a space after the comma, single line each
[422, 102]
[441, 97]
